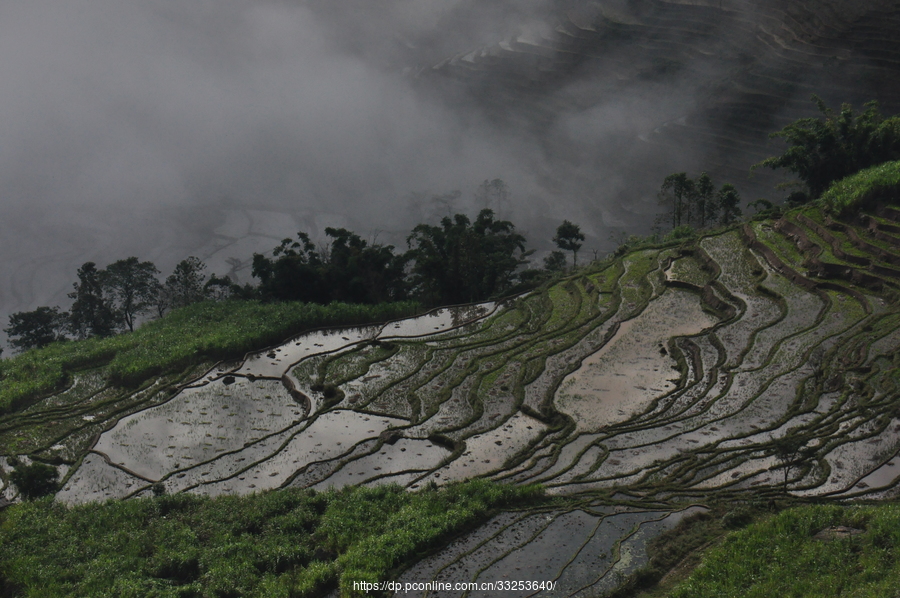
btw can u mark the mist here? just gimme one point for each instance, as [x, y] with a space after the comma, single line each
[165, 129]
[152, 128]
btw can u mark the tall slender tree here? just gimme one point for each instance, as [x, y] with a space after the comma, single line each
[706, 206]
[568, 238]
[678, 190]
[728, 200]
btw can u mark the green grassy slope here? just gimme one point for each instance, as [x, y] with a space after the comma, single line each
[276, 544]
[782, 556]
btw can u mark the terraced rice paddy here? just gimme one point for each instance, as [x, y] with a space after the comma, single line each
[639, 386]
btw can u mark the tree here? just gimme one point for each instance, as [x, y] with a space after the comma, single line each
[829, 149]
[38, 328]
[186, 283]
[568, 238]
[677, 189]
[293, 273]
[35, 480]
[728, 201]
[92, 312]
[219, 288]
[132, 286]
[791, 453]
[706, 206]
[357, 272]
[460, 261]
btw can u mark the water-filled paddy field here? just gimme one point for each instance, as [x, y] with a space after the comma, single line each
[647, 383]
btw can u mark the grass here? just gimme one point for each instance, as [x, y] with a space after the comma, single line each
[865, 188]
[282, 543]
[300, 543]
[780, 557]
[200, 332]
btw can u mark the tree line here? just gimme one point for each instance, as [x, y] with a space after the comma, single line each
[824, 150]
[821, 151]
[106, 301]
[697, 202]
[458, 260]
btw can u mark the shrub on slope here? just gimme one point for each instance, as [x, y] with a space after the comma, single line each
[879, 184]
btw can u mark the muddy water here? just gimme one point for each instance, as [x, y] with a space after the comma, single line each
[576, 549]
[331, 435]
[437, 321]
[198, 425]
[545, 556]
[96, 480]
[275, 362]
[467, 566]
[404, 455]
[633, 552]
[883, 477]
[487, 452]
[862, 462]
[624, 376]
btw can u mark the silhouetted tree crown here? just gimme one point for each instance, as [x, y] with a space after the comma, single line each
[349, 270]
[92, 311]
[697, 203]
[460, 261]
[568, 238]
[186, 283]
[132, 288]
[38, 328]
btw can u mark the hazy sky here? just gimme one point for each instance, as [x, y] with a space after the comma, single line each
[165, 128]
[141, 127]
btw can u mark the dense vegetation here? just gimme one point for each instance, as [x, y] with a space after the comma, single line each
[878, 184]
[285, 543]
[457, 261]
[782, 556]
[828, 149]
[697, 203]
[199, 332]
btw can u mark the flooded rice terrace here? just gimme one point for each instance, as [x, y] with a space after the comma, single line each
[602, 381]
[250, 428]
[639, 389]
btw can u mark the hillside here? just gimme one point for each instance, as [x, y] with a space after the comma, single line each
[618, 90]
[636, 389]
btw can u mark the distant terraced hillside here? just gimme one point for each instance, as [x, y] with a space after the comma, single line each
[642, 385]
[676, 85]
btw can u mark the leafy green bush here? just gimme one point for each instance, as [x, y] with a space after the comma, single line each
[865, 188]
[35, 480]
